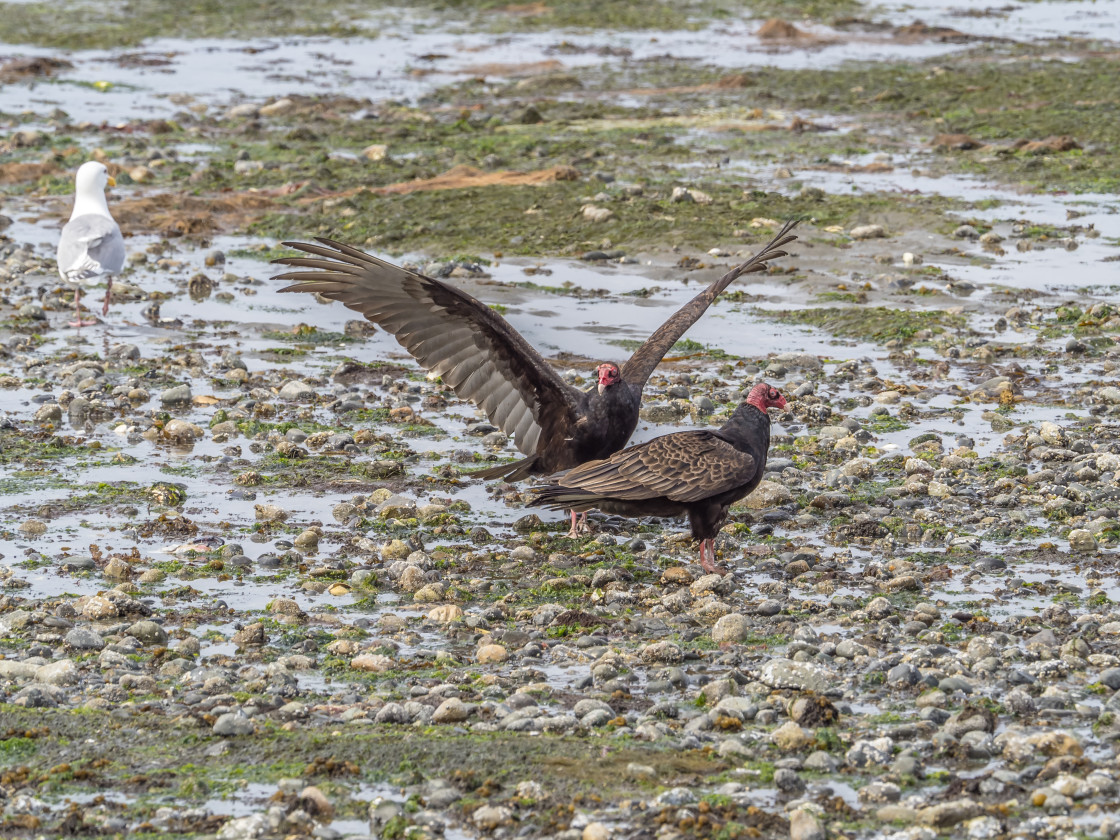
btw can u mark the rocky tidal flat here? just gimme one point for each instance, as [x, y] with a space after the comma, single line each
[249, 587]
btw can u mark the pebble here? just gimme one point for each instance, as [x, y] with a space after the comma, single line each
[804, 826]
[867, 232]
[785, 673]
[1082, 540]
[82, 638]
[176, 395]
[233, 723]
[731, 628]
[32, 528]
[148, 632]
[297, 391]
[790, 737]
[489, 817]
[489, 654]
[597, 214]
[276, 108]
[451, 710]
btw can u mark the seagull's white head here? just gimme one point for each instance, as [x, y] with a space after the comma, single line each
[93, 177]
[89, 189]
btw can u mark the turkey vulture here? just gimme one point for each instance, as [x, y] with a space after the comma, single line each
[91, 245]
[699, 473]
[484, 360]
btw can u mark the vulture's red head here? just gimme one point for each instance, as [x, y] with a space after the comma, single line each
[763, 396]
[608, 375]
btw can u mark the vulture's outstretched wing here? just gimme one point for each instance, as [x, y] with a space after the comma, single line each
[476, 352]
[649, 355]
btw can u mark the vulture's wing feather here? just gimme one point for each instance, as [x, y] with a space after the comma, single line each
[476, 352]
[683, 467]
[649, 355]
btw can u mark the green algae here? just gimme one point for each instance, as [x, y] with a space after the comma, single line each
[156, 745]
[70, 24]
[537, 220]
[880, 324]
[1023, 96]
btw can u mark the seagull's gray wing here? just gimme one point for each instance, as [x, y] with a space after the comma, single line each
[91, 247]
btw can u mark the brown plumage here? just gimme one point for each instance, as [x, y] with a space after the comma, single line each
[484, 360]
[697, 473]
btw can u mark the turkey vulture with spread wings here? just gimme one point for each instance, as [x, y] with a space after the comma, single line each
[484, 360]
[699, 473]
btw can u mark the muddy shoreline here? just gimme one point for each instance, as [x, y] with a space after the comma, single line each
[248, 585]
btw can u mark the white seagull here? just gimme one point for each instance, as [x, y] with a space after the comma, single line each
[91, 246]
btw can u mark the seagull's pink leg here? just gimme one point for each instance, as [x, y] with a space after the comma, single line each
[78, 322]
[108, 291]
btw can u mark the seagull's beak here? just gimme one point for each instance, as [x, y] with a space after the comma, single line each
[112, 181]
[602, 388]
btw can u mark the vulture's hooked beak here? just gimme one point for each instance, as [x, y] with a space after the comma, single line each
[602, 388]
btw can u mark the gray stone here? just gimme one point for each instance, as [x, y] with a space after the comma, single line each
[865, 754]
[15, 620]
[36, 697]
[803, 676]
[62, 672]
[904, 674]
[1109, 394]
[176, 395]
[1081, 540]
[82, 638]
[233, 723]
[10, 669]
[392, 713]
[804, 826]
[1110, 678]
[452, 710]
[596, 718]
[49, 413]
[820, 761]
[733, 627]
[879, 608]
[675, 797]
[587, 706]
[789, 782]
[489, 817]
[78, 411]
[252, 827]
[770, 606]
[951, 684]
[297, 391]
[148, 632]
[949, 813]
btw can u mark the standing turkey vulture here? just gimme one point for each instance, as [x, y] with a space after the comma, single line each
[484, 360]
[699, 473]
